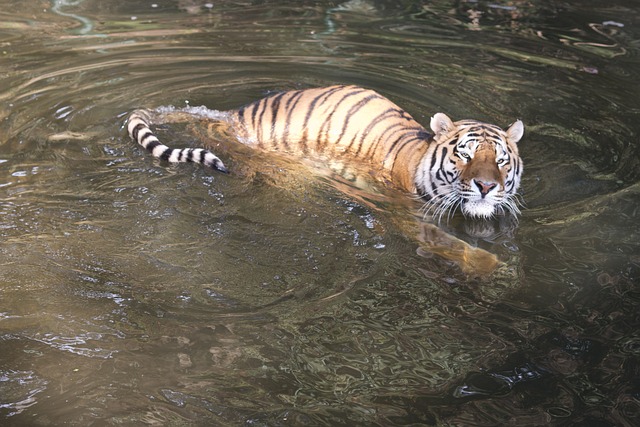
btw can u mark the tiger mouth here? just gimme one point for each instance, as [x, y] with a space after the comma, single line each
[480, 208]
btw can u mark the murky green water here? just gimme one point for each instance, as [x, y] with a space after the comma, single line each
[137, 293]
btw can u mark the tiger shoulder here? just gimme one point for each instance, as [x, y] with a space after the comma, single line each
[467, 164]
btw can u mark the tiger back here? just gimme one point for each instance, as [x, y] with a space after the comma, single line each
[339, 122]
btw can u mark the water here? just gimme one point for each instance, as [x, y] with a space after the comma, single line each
[137, 293]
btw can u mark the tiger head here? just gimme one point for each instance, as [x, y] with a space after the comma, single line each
[472, 165]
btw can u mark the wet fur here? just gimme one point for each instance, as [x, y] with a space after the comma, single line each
[467, 164]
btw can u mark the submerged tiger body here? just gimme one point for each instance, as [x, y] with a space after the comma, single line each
[466, 164]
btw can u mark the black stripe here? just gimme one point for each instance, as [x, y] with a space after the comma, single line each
[393, 130]
[275, 106]
[240, 114]
[443, 155]
[290, 107]
[293, 95]
[152, 145]
[326, 125]
[425, 135]
[312, 108]
[166, 154]
[433, 159]
[143, 140]
[137, 129]
[254, 111]
[266, 102]
[397, 152]
[375, 121]
[405, 143]
[354, 109]
[436, 184]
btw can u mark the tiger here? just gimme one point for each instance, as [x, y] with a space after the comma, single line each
[468, 164]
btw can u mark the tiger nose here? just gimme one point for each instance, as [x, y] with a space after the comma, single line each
[484, 187]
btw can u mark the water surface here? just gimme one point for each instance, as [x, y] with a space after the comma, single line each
[133, 292]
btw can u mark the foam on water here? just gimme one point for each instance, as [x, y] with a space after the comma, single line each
[201, 112]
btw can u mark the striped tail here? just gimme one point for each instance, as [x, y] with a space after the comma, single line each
[138, 127]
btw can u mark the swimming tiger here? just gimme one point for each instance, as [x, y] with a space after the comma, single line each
[467, 164]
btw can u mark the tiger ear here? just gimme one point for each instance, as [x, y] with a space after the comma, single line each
[515, 131]
[441, 124]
